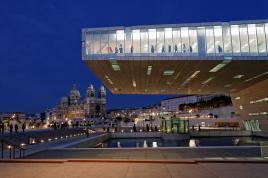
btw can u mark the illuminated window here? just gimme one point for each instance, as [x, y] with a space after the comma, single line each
[96, 45]
[210, 40]
[235, 38]
[193, 48]
[244, 39]
[152, 40]
[104, 43]
[227, 40]
[185, 39]
[252, 39]
[218, 39]
[128, 42]
[261, 38]
[177, 40]
[89, 43]
[160, 41]
[266, 34]
[136, 41]
[144, 41]
[168, 40]
[112, 42]
[120, 41]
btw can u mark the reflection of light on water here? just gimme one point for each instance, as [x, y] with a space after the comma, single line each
[118, 145]
[236, 141]
[155, 145]
[192, 143]
[145, 144]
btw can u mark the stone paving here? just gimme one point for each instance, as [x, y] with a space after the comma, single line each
[132, 170]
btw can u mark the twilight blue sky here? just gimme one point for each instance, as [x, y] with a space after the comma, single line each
[40, 42]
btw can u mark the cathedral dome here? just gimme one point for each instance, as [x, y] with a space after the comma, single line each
[74, 93]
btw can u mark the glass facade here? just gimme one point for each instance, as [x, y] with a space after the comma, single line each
[239, 40]
[175, 125]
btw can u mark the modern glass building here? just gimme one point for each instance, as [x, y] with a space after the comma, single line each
[200, 58]
[205, 39]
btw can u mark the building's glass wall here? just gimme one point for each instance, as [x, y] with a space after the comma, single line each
[105, 43]
[144, 41]
[210, 40]
[128, 42]
[89, 43]
[261, 39]
[152, 40]
[96, 43]
[160, 45]
[235, 39]
[185, 39]
[112, 42]
[227, 40]
[193, 48]
[136, 41]
[168, 40]
[218, 39]
[177, 40]
[243, 39]
[252, 39]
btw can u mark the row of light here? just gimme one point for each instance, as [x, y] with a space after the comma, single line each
[259, 101]
[109, 80]
[56, 138]
[257, 113]
[257, 76]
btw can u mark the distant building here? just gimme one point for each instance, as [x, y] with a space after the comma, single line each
[72, 106]
[172, 104]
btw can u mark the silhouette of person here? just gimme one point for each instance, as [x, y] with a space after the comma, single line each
[16, 128]
[10, 128]
[23, 127]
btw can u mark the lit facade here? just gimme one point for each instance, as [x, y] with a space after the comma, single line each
[229, 58]
[73, 107]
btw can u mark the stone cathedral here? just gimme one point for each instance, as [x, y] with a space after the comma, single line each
[73, 106]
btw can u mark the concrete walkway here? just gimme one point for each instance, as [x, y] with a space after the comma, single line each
[132, 170]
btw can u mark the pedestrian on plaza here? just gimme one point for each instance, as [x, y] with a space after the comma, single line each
[87, 132]
[2, 128]
[155, 128]
[147, 128]
[1, 123]
[10, 128]
[199, 128]
[16, 128]
[134, 128]
[192, 127]
[23, 127]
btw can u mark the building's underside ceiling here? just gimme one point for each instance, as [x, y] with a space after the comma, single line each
[182, 76]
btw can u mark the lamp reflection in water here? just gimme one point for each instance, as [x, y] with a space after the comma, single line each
[193, 143]
[145, 144]
[118, 145]
[154, 145]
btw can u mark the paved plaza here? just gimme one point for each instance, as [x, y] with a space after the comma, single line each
[132, 170]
